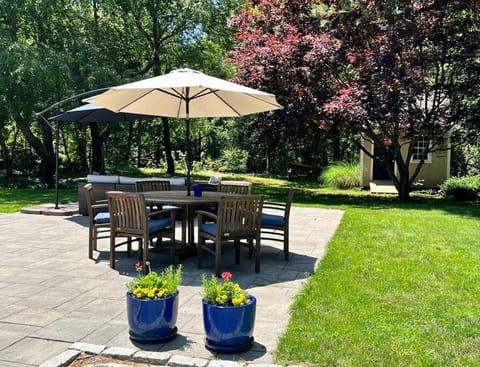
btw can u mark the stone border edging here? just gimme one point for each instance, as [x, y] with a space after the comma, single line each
[141, 356]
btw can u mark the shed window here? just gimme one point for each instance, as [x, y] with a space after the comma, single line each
[421, 144]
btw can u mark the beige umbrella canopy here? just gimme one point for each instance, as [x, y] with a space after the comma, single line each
[186, 93]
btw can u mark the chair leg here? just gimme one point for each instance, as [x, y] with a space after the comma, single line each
[91, 235]
[144, 243]
[257, 255]
[129, 246]
[285, 245]
[201, 242]
[172, 245]
[236, 243]
[218, 256]
[250, 248]
[112, 251]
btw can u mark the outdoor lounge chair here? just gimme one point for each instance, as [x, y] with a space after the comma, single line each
[129, 218]
[275, 221]
[237, 218]
[98, 220]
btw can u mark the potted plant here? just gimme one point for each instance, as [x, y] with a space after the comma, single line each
[152, 304]
[228, 315]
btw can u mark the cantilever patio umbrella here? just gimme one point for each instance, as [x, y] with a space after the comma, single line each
[186, 93]
[90, 113]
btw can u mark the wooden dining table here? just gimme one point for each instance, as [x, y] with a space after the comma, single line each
[188, 203]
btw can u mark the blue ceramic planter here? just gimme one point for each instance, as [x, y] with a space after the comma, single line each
[229, 329]
[152, 321]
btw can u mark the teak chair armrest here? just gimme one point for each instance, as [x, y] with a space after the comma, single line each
[163, 211]
[203, 213]
[99, 206]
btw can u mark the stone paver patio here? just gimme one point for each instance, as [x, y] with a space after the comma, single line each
[52, 295]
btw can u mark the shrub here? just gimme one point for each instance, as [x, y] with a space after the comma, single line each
[233, 160]
[461, 188]
[341, 176]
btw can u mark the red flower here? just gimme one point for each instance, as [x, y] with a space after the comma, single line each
[138, 266]
[226, 276]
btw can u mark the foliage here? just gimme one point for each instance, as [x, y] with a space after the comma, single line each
[341, 176]
[406, 70]
[399, 286]
[461, 188]
[281, 50]
[233, 160]
[154, 285]
[52, 50]
[225, 293]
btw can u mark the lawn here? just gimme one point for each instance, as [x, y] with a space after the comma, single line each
[12, 200]
[399, 286]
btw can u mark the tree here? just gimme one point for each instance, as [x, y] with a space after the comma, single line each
[280, 49]
[409, 71]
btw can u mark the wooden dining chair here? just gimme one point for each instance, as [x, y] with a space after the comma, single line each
[275, 222]
[231, 187]
[152, 185]
[98, 219]
[129, 218]
[237, 218]
[155, 185]
[235, 187]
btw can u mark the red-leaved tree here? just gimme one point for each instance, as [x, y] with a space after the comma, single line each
[410, 72]
[280, 50]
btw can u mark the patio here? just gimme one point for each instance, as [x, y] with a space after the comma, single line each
[52, 295]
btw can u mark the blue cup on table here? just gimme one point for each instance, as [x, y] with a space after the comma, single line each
[197, 190]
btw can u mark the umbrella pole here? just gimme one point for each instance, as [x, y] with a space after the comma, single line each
[188, 163]
[57, 138]
[187, 156]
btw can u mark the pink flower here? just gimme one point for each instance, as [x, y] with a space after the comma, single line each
[226, 276]
[138, 266]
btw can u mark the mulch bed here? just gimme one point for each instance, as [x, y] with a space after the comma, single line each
[87, 360]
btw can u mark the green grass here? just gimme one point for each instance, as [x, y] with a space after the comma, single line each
[399, 285]
[12, 200]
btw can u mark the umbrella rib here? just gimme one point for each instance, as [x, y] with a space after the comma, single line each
[135, 100]
[226, 103]
[176, 94]
[204, 92]
[260, 99]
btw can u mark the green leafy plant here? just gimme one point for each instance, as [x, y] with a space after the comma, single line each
[233, 160]
[341, 176]
[225, 292]
[154, 285]
[461, 188]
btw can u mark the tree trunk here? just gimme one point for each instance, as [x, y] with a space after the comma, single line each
[43, 148]
[404, 190]
[335, 143]
[6, 159]
[139, 144]
[158, 146]
[168, 147]
[402, 183]
[81, 147]
[65, 148]
[98, 161]
[128, 149]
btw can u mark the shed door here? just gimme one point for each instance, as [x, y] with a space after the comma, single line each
[379, 171]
